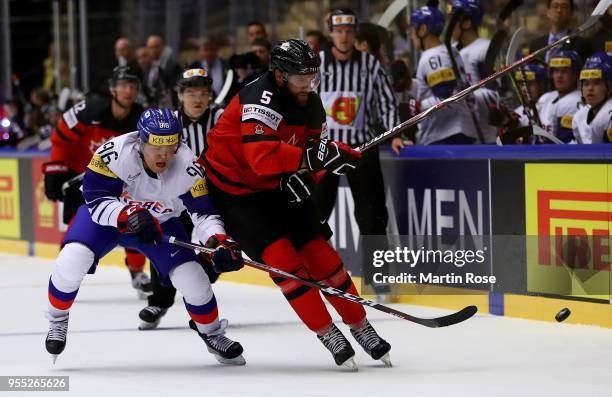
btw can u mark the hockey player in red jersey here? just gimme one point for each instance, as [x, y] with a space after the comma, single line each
[79, 132]
[261, 160]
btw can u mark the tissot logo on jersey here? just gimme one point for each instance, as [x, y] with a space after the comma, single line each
[263, 114]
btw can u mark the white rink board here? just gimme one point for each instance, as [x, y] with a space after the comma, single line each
[107, 355]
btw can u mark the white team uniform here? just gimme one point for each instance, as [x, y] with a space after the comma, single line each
[599, 129]
[523, 119]
[120, 157]
[557, 113]
[474, 54]
[435, 69]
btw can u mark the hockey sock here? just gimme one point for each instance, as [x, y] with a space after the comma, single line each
[305, 301]
[134, 260]
[192, 282]
[324, 264]
[71, 266]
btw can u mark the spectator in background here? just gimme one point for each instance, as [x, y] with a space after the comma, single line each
[261, 49]
[41, 115]
[316, 40]
[162, 56]
[406, 90]
[245, 70]
[210, 61]
[256, 31]
[123, 52]
[560, 14]
[155, 86]
[368, 40]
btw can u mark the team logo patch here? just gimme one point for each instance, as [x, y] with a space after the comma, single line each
[261, 113]
[441, 76]
[566, 121]
[97, 165]
[199, 188]
[344, 110]
[259, 129]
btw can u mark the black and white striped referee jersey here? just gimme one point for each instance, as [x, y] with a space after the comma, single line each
[194, 132]
[356, 94]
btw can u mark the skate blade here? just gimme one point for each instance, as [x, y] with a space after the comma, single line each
[54, 358]
[350, 364]
[231, 361]
[386, 359]
[147, 326]
[142, 295]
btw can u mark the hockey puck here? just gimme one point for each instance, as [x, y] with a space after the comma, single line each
[563, 314]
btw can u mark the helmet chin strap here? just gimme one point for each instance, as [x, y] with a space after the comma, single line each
[119, 103]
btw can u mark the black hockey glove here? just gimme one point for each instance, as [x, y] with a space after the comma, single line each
[297, 186]
[336, 157]
[56, 174]
[137, 220]
[227, 256]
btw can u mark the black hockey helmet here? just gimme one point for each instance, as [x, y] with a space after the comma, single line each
[341, 17]
[123, 73]
[294, 56]
[197, 77]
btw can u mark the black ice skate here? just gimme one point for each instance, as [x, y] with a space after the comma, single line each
[225, 350]
[150, 316]
[56, 337]
[374, 345]
[339, 347]
[142, 284]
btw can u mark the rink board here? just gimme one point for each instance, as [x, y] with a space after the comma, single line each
[502, 187]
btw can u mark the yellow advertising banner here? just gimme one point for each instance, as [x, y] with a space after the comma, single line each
[568, 222]
[10, 225]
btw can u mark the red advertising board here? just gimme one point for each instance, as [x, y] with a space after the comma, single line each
[48, 226]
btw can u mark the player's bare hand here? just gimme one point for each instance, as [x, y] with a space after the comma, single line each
[397, 144]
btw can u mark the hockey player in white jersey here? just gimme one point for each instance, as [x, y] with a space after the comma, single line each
[559, 106]
[592, 123]
[535, 76]
[135, 187]
[473, 50]
[437, 81]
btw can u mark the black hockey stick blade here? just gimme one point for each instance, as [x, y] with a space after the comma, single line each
[500, 35]
[601, 9]
[450, 26]
[508, 9]
[437, 322]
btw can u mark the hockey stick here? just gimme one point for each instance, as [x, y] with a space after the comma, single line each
[500, 35]
[527, 133]
[437, 322]
[448, 35]
[71, 182]
[589, 23]
[226, 87]
[529, 106]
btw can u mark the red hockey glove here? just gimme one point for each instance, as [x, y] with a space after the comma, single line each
[56, 174]
[336, 157]
[297, 186]
[227, 256]
[134, 219]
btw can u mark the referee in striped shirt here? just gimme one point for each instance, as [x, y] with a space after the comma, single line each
[197, 116]
[357, 95]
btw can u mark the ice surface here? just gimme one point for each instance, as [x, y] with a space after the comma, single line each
[107, 355]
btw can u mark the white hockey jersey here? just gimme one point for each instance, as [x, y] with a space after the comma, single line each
[473, 56]
[437, 81]
[523, 119]
[116, 177]
[599, 129]
[557, 113]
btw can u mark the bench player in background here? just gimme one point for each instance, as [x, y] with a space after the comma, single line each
[260, 161]
[79, 132]
[197, 114]
[592, 123]
[135, 187]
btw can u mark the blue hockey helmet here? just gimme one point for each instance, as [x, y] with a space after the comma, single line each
[565, 59]
[598, 66]
[534, 71]
[471, 8]
[430, 17]
[159, 127]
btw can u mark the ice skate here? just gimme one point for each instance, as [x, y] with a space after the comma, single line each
[372, 343]
[225, 350]
[339, 347]
[142, 284]
[150, 316]
[56, 337]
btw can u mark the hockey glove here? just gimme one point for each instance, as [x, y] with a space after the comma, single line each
[297, 186]
[227, 256]
[56, 174]
[136, 220]
[336, 157]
